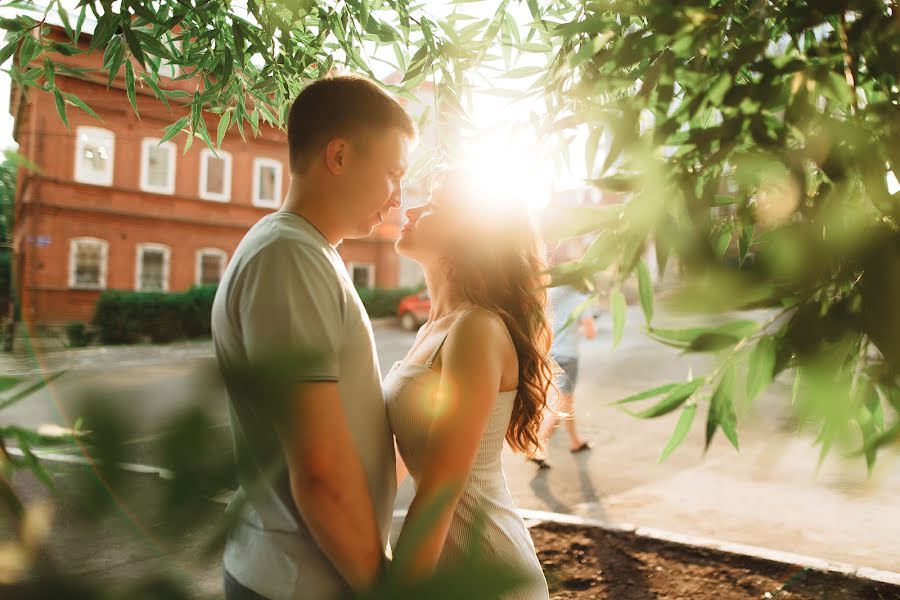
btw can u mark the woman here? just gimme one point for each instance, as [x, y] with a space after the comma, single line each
[477, 374]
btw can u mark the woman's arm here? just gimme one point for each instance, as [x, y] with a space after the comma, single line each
[472, 368]
[402, 471]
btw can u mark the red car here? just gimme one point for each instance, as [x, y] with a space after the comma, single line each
[413, 310]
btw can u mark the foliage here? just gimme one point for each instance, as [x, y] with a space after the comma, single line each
[123, 317]
[384, 302]
[78, 334]
[772, 123]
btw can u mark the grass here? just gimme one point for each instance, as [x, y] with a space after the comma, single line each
[7, 382]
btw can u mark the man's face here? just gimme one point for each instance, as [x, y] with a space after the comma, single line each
[374, 168]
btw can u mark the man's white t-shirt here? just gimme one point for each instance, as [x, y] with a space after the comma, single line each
[286, 294]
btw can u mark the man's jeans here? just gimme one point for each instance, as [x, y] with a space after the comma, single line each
[235, 591]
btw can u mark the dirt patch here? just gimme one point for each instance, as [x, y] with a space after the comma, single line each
[583, 563]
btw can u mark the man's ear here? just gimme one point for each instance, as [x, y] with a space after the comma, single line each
[336, 155]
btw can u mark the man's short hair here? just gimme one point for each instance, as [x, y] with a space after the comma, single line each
[340, 106]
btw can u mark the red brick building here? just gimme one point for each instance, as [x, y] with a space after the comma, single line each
[110, 208]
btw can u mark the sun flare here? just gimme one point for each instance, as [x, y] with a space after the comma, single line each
[508, 167]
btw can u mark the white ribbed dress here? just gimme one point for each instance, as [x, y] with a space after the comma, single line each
[485, 508]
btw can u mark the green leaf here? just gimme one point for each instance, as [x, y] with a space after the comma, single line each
[104, 31]
[134, 45]
[64, 17]
[617, 308]
[174, 129]
[681, 430]
[723, 239]
[672, 401]
[835, 86]
[64, 49]
[718, 88]
[589, 49]
[115, 58]
[156, 89]
[712, 341]
[35, 465]
[745, 241]
[682, 338]
[29, 51]
[761, 367]
[73, 99]
[27, 392]
[647, 394]
[532, 47]
[81, 17]
[61, 107]
[224, 122]
[9, 49]
[129, 87]
[645, 289]
[523, 72]
[49, 72]
[721, 410]
[188, 143]
[575, 315]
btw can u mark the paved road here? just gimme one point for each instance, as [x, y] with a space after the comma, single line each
[770, 494]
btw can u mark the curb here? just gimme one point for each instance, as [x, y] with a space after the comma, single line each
[535, 517]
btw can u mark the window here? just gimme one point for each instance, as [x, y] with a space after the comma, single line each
[87, 263]
[152, 268]
[215, 175]
[363, 275]
[94, 155]
[210, 265]
[266, 183]
[158, 166]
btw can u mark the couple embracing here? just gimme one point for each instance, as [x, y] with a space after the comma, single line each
[319, 472]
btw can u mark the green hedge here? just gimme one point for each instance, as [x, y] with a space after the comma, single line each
[123, 317]
[130, 317]
[383, 302]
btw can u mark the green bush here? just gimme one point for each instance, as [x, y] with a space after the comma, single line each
[78, 334]
[383, 302]
[130, 317]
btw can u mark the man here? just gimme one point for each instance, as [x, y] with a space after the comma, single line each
[316, 471]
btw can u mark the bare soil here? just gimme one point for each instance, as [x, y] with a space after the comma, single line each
[582, 563]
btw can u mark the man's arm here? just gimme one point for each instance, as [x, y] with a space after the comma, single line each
[328, 483]
[291, 309]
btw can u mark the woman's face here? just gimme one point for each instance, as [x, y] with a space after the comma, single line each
[432, 228]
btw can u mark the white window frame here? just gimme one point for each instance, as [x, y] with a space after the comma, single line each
[83, 175]
[258, 164]
[73, 251]
[169, 187]
[205, 155]
[368, 266]
[139, 265]
[199, 262]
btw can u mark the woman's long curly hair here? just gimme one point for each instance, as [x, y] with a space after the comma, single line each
[499, 263]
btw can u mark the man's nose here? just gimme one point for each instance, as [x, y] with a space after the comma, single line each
[397, 196]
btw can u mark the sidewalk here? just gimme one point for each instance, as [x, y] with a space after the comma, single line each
[769, 494]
